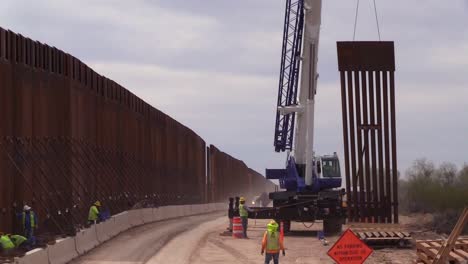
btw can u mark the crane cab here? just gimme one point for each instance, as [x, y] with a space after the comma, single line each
[327, 172]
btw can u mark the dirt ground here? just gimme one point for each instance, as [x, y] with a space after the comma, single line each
[302, 246]
[202, 240]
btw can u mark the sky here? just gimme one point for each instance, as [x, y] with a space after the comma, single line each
[213, 65]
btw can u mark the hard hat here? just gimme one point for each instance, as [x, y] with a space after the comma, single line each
[242, 199]
[26, 207]
[272, 226]
[97, 203]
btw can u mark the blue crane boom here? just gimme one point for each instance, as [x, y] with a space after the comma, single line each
[289, 73]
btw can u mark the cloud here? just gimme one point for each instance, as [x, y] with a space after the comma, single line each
[213, 65]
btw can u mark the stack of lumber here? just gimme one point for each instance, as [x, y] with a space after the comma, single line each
[382, 235]
[427, 250]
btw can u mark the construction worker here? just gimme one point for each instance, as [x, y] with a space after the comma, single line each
[344, 199]
[19, 241]
[244, 215]
[93, 215]
[29, 223]
[6, 244]
[272, 242]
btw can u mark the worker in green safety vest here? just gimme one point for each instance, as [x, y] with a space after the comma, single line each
[93, 215]
[244, 215]
[272, 242]
[5, 243]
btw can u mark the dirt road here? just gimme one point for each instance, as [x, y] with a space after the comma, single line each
[139, 244]
[201, 240]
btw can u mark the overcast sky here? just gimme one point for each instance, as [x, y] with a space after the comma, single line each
[214, 64]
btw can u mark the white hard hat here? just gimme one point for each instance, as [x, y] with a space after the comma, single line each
[26, 208]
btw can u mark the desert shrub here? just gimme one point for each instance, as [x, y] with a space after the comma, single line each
[442, 191]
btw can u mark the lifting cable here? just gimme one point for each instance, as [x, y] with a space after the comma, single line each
[377, 19]
[356, 19]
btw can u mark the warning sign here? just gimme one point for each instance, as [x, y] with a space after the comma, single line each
[349, 249]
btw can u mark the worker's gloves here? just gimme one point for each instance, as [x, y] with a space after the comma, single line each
[261, 253]
[284, 253]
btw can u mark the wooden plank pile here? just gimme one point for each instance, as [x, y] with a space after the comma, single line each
[453, 250]
[382, 235]
[427, 251]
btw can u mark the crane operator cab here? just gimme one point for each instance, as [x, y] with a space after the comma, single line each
[327, 172]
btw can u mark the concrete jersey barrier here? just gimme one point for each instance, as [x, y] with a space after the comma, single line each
[35, 256]
[66, 249]
[135, 217]
[86, 240]
[105, 230]
[121, 222]
[148, 216]
[63, 251]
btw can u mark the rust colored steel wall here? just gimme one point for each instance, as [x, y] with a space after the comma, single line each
[369, 130]
[230, 177]
[70, 136]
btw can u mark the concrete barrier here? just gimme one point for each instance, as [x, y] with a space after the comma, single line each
[174, 211]
[201, 208]
[86, 240]
[194, 209]
[35, 256]
[181, 211]
[165, 212]
[68, 248]
[63, 251]
[147, 214]
[157, 214]
[106, 230]
[169, 212]
[113, 229]
[188, 209]
[135, 217]
[206, 208]
[221, 206]
[121, 222]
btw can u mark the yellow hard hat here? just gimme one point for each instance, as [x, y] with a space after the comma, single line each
[242, 199]
[272, 226]
[97, 203]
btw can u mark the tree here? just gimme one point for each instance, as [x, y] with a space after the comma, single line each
[446, 174]
[462, 178]
[421, 168]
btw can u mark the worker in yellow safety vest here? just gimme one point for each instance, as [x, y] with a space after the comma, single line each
[93, 215]
[272, 242]
[19, 241]
[244, 215]
[5, 243]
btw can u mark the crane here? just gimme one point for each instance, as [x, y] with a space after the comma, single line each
[294, 127]
[310, 181]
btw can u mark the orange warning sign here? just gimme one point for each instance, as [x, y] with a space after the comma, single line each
[349, 249]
